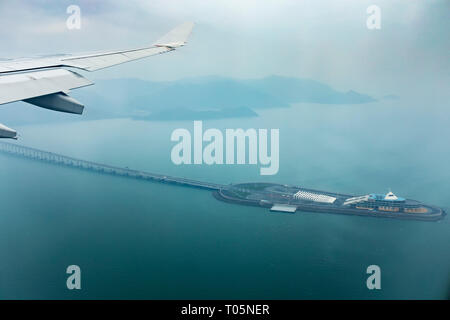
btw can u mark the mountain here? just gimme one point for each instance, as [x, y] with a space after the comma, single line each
[294, 90]
[188, 114]
[192, 98]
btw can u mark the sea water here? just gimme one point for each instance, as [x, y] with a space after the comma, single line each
[143, 240]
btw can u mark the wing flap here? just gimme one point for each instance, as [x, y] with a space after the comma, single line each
[27, 64]
[17, 87]
[100, 61]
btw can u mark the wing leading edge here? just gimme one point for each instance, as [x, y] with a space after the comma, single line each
[95, 61]
[44, 82]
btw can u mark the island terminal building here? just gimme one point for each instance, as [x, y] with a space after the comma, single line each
[289, 199]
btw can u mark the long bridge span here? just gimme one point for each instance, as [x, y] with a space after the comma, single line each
[54, 158]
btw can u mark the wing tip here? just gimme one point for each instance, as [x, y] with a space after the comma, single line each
[177, 37]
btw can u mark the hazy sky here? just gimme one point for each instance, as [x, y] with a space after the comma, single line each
[326, 40]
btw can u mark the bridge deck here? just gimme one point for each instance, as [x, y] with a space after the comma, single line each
[54, 158]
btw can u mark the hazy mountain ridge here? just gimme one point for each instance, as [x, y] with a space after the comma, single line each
[200, 98]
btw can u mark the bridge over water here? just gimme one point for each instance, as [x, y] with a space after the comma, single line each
[54, 158]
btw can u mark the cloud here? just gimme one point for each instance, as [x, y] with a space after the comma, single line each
[319, 39]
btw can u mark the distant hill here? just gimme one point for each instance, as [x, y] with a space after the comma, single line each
[188, 114]
[192, 98]
[294, 90]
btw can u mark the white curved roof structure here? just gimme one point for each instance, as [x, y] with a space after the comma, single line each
[316, 197]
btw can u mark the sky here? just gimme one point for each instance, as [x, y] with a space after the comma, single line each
[325, 40]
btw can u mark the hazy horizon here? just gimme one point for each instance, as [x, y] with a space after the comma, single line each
[322, 40]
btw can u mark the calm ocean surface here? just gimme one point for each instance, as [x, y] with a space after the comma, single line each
[140, 240]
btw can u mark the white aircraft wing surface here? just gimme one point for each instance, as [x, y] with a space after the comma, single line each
[21, 86]
[45, 83]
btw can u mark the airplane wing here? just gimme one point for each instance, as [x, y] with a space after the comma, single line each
[45, 83]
